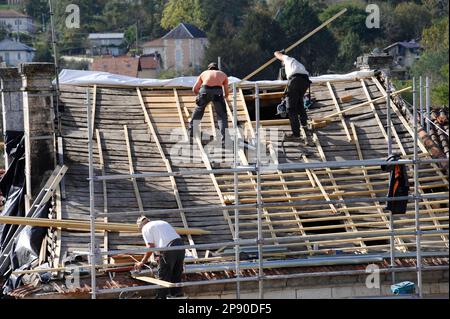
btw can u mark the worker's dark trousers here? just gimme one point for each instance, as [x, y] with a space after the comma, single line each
[205, 96]
[297, 86]
[170, 269]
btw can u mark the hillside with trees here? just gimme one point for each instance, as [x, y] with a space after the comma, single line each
[246, 32]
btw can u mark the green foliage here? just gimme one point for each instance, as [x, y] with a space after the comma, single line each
[297, 18]
[223, 18]
[3, 33]
[405, 22]
[179, 11]
[434, 61]
[258, 38]
[350, 47]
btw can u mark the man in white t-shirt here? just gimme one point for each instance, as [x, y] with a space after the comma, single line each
[159, 234]
[298, 84]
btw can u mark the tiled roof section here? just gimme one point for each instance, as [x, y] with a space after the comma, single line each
[185, 31]
[117, 65]
[154, 43]
[406, 44]
[124, 280]
[439, 131]
[12, 14]
[9, 45]
[149, 62]
[97, 36]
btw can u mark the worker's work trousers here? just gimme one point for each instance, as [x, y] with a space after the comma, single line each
[170, 269]
[205, 96]
[297, 87]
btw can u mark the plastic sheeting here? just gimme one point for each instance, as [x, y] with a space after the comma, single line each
[28, 239]
[89, 78]
[12, 186]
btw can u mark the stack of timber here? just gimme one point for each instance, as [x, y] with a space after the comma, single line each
[141, 131]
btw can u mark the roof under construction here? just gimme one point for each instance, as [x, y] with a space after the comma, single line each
[139, 128]
[134, 134]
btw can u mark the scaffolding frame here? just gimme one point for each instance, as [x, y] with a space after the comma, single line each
[260, 241]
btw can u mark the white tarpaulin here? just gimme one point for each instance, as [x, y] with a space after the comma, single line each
[88, 78]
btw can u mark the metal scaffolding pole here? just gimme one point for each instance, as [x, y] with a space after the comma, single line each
[247, 207]
[259, 199]
[271, 277]
[389, 115]
[428, 99]
[236, 192]
[416, 191]
[270, 168]
[252, 242]
[389, 134]
[421, 101]
[91, 195]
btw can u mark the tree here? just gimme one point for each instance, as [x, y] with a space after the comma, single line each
[223, 18]
[318, 53]
[434, 62]
[178, 11]
[406, 22]
[350, 47]
[252, 46]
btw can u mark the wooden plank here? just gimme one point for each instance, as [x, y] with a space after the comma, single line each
[370, 187]
[208, 166]
[180, 114]
[244, 161]
[131, 169]
[338, 108]
[344, 206]
[80, 225]
[168, 167]
[155, 281]
[105, 192]
[372, 106]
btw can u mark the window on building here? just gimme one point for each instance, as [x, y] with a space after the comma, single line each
[19, 56]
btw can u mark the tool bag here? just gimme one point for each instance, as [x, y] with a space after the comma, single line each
[398, 185]
[403, 288]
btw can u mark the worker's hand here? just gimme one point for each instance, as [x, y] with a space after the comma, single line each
[138, 266]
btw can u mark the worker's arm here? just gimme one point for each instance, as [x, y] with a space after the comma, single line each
[198, 84]
[144, 260]
[226, 88]
[280, 56]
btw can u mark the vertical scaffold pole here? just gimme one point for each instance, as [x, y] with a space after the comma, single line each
[428, 99]
[389, 133]
[92, 255]
[236, 192]
[416, 194]
[259, 199]
[389, 115]
[421, 101]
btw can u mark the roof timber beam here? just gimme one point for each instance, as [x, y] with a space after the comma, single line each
[207, 164]
[369, 185]
[168, 166]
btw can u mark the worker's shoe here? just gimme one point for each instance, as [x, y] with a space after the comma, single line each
[291, 138]
[309, 140]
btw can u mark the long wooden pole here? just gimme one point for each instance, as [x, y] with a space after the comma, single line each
[323, 25]
[85, 226]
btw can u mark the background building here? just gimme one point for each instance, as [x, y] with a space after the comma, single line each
[16, 21]
[13, 52]
[106, 44]
[182, 49]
